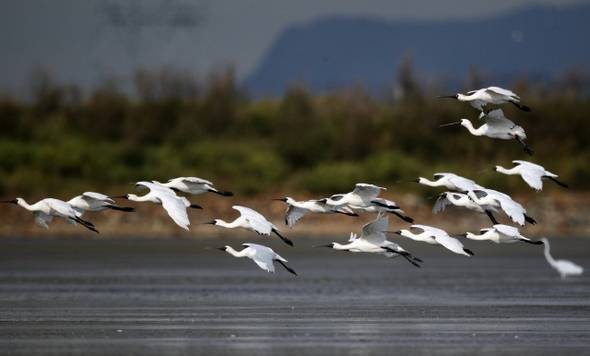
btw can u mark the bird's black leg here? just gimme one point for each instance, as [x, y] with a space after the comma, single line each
[287, 268]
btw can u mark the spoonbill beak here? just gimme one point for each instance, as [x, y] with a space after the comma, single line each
[487, 170]
[118, 196]
[9, 201]
[450, 124]
[447, 96]
[222, 248]
[208, 222]
[328, 245]
[411, 180]
[399, 232]
[281, 199]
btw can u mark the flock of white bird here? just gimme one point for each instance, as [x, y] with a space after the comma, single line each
[460, 192]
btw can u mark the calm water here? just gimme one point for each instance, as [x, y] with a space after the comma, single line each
[178, 297]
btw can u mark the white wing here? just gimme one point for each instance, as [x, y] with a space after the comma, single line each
[258, 222]
[42, 219]
[367, 190]
[97, 196]
[507, 230]
[441, 204]
[61, 207]
[194, 180]
[451, 244]
[262, 255]
[176, 209]
[293, 215]
[373, 232]
[502, 91]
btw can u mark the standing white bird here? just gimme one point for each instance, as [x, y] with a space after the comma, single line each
[193, 185]
[463, 200]
[491, 95]
[449, 180]
[564, 267]
[533, 174]
[373, 241]
[262, 255]
[501, 234]
[496, 126]
[434, 236]
[44, 211]
[158, 194]
[499, 200]
[251, 220]
[91, 201]
[361, 197]
[298, 209]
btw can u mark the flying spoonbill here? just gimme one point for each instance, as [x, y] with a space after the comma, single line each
[434, 236]
[499, 200]
[449, 180]
[262, 255]
[91, 201]
[501, 234]
[533, 174]
[383, 206]
[373, 241]
[251, 220]
[564, 267]
[463, 200]
[298, 209]
[194, 186]
[158, 194]
[44, 211]
[361, 197]
[491, 95]
[496, 126]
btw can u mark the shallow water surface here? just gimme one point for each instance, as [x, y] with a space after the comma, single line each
[180, 297]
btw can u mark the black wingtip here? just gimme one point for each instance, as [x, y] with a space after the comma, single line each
[226, 194]
[469, 252]
[530, 220]
[195, 206]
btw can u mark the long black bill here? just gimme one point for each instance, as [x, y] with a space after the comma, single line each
[450, 124]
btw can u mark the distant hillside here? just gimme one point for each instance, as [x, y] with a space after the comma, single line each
[540, 42]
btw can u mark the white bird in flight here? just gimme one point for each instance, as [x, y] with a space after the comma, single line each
[533, 174]
[373, 241]
[383, 206]
[500, 234]
[262, 255]
[251, 220]
[361, 197]
[499, 200]
[193, 185]
[449, 180]
[298, 209]
[44, 211]
[434, 236]
[491, 95]
[158, 194]
[91, 201]
[564, 267]
[496, 126]
[463, 200]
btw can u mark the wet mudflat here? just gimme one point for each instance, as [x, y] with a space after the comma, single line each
[177, 297]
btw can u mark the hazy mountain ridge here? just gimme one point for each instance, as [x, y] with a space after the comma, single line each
[540, 42]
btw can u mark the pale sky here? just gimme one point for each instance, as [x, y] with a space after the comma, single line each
[84, 41]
